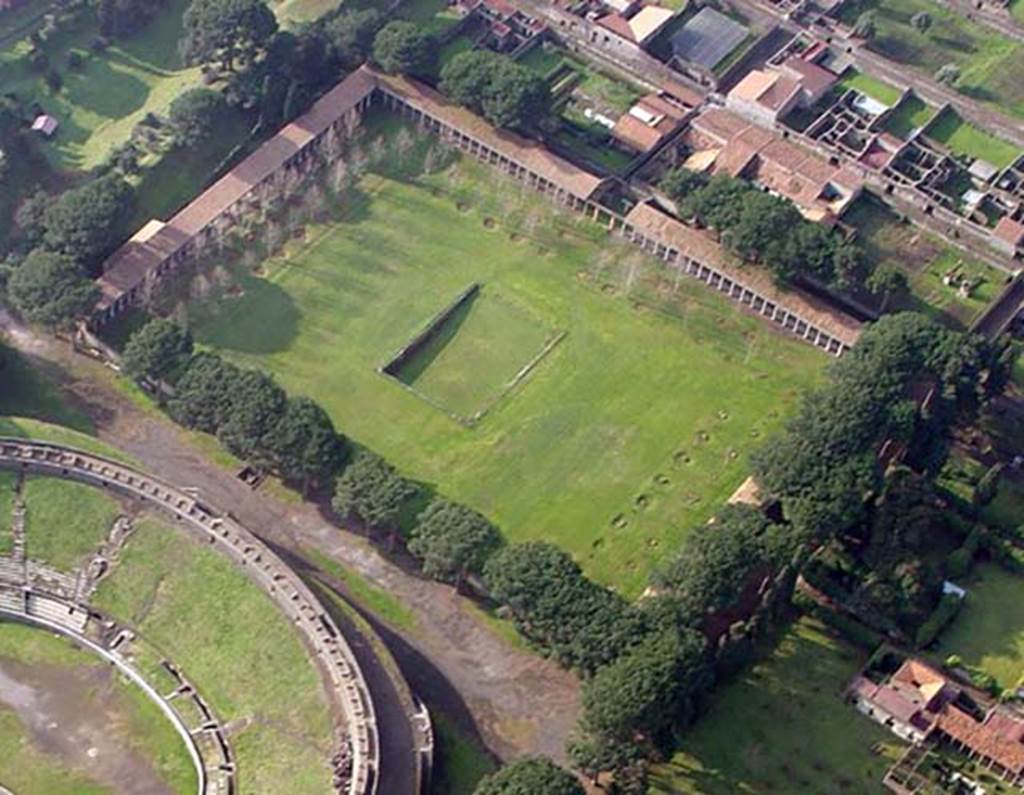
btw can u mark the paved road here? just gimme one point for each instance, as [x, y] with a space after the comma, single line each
[515, 701]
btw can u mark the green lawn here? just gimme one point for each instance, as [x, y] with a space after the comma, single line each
[134, 718]
[65, 521]
[1007, 509]
[871, 87]
[204, 614]
[924, 259]
[434, 16]
[630, 432]
[990, 64]
[783, 728]
[100, 103]
[988, 633]
[294, 13]
[912, 114]
[966, 139]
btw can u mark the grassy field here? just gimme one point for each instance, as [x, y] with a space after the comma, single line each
[29, 392]
[435, 16]
[7, 484]
[990, 64]
[135, 719]
[205, 615]
[871, 87]
[1007, 509]
[65, 521]
[911, 115]
[294, 13]
[113, 90]
[988, 633]
[966, 139]
[925, 260]
[783, 728]
[630, 432]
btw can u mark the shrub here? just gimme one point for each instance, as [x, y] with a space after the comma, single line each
[948, 607]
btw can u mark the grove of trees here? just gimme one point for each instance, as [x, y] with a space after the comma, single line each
[533, 776]
[404, 48]
[767, 229]
[506, 93]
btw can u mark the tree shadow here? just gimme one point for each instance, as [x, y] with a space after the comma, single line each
[264, 319]
[105, 91]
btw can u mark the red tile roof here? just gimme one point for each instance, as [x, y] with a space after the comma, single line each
[1010, 231]
[984, 738]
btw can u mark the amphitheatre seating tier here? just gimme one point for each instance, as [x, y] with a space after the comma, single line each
[289, 593]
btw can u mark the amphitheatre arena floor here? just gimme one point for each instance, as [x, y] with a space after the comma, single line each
[70, 726]
[187, 604]
[629, 431]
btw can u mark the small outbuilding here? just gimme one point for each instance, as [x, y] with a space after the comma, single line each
[45, 124]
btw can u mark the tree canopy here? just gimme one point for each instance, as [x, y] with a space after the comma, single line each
[452, 541]
[49, 288]
[506, 93]
[825, 463]
[402, 47]
[195, 114]
[371, 490]
[768, 229]
[582, 624]
[533, 776]
[304, 445]
[350, 34]
[226, 30]
[83, 222]
[257, 406]
[203, 396]
[156, 349]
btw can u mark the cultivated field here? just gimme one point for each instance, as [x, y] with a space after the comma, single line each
[989, 631]
[203, 613]
[990, 64]
[783, 728]
[76, 689]
[631, 431]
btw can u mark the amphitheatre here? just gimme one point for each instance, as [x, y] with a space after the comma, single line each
[126, 583]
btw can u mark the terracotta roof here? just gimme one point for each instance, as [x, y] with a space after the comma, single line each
[646, 22]
[700, 246]
[985, 738]
[635, 134]
[719, 124]
[754, 84]
[617, 24]
[664, 118]
[1010, 231]
[530, 154]
[814, 79]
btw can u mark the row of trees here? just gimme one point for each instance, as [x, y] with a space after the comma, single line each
[767, 229]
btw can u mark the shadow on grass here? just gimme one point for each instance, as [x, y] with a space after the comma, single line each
[418, 363]
[105, 91]
[32, 389]
[263, 320]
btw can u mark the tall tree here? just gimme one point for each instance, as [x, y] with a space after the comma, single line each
[83, 222]
[257, 406]
[350, 35]
[532, 776]
[204, 394]
[371, 490]
[304, 445]
[156, 349]
[195, 114]
[50, 288]
[452, 541]
[226, 30]
[404, 48]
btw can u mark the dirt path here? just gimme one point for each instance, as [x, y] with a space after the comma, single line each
[517, 702]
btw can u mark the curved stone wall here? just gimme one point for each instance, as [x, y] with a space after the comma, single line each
[347, 687]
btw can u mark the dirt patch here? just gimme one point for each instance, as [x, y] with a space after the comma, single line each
[489, 223]
[76, 714]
